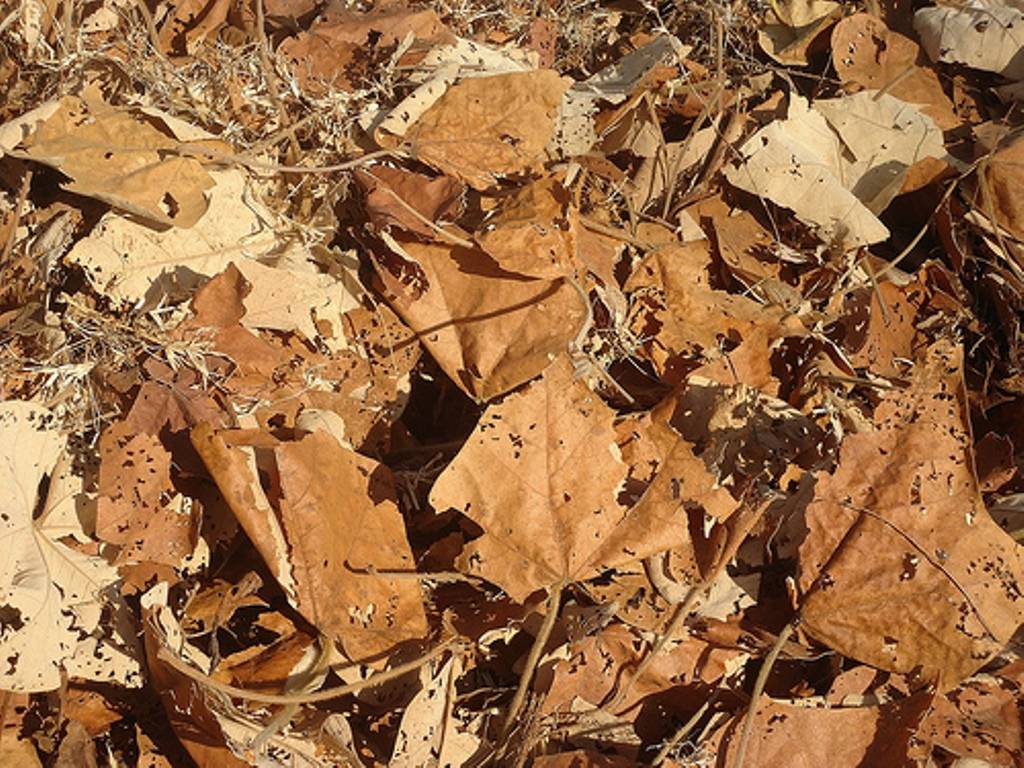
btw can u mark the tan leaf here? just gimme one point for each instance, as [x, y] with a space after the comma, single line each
[839, 164]
[786, 735]
[53, 595]
[903, 568]
[985, 36]
[534, 233]
[487, 127]
[868, 54]
[793, 28]
[489, 330]
[541, 474]
[335, 520]
[117, 156]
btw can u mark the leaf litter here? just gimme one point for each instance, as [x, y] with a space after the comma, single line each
[582, 384]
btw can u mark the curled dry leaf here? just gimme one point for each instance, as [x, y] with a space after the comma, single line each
[61, 610]
[687, 325]
[490, 330]
[487, 127]
[902, 567]
[326, 522]
[119, 157]
[793, 26]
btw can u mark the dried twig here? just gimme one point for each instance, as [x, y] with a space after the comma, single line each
[539, 642]
[759, 683]
[165, 655]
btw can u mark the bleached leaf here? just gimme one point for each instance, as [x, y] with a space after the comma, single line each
[52, 597]
[838, 163]
[984, 35]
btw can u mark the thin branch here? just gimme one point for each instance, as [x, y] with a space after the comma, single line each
[165, 655]
[759, 683]
[684, 729]
[553, 604]
[19, 204]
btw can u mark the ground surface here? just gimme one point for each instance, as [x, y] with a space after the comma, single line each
[555, 384]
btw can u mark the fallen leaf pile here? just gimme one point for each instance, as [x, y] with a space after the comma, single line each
[608, 384]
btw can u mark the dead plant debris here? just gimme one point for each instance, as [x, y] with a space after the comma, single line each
[468, 383]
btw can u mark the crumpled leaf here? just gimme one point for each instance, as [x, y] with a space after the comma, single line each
[903, 568]
[688, 326]
[329, 521]
[984, 34]
[490, 330]
[60, 609]
[119, 157]
[830, 165]
[485, 128]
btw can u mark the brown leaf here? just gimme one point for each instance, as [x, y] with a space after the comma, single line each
[390, 192]
[548, 514]
[534, 233]
[867, 54]
[137, 508]
[489, 330]
[117, 156]
[980, 719]
[785, 735]
[903, 568]
[590, 670]
[487, 127]
[329, 518]
[540, 474]
[688, 326]
[323, 55]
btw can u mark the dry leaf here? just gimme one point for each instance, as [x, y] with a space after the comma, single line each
[984, 35]
[138, 507]
[787, 735]
[117, 156]
[489, 330]
[547, 514]
[390, 192]
[535, 233]
[488, 127]
[830, 165]
[54, 597]
[795, 26]
[328, 521]
[902, 567]
[867, 54]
